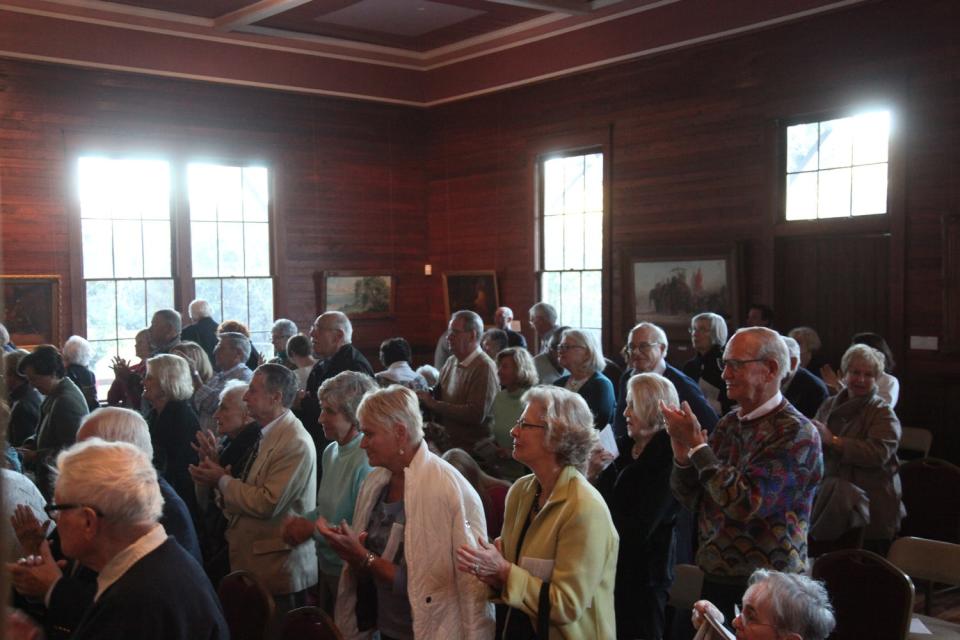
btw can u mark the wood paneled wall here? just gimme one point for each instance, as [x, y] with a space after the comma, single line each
[348, 176]
[692, 140]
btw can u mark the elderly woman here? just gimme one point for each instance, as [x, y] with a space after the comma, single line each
[238, 433]
[777, 605]
[345, 467]
[416, 511]
[888, 387]
[810, 344]
[127, 387]
[559, 545]
[517, 374]
[173, 424]
[77, 355]
[637, 490]
[60, 413]
[860, 435]
[708, 333]
[579, 353]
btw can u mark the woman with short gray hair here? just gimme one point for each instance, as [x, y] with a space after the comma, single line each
[557, 518]
[708, 334]
[580, 353]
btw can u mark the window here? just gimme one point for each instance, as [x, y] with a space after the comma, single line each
[572, 233]
[128, 226]
[837, 168]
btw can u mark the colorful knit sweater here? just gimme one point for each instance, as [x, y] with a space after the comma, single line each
[753, 490]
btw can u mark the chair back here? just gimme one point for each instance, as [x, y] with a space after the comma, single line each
[686, 587]
[927, 559]
[247, 606]
[871, 597]
[933, 508]
[914, 443]
[308, 623]
[852, 539]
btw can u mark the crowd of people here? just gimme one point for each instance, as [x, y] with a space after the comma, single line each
[507, 491]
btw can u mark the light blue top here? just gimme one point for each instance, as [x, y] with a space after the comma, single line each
[344, 469]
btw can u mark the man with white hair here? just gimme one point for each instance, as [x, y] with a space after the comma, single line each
[503, 317]
[107, 503]
[230, 356]
[752, 482]
[331, 336]
[279, 481]
[468, 384]
[543, 319]
[801, 388]
[281, 332]
[203, 331]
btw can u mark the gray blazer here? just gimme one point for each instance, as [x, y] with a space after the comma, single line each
[871, 435]
[60, 416]
[281, 482]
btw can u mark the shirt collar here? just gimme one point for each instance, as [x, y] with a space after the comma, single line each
[267, 427]
[661, 366]
[763, 409]
[123, 561]
[470, 358]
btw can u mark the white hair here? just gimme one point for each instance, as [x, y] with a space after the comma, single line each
[393, 405]
[116, 478]
[237, 341]
[570, 435]
[545, 310]
[285, 328]
[4, 335]
[338, 320]
[771, 347]
[645, 391]
[718, 327]
[232, 388]
[800, 604]
[200, 309]
[589, 342]
[660, 333]
[76, 350]
[116, 424]
[173, 375]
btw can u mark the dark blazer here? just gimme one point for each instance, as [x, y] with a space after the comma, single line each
[598, 392]
[163, 596]
[687, 391]
[24, 414]
[172, 432]
[86, 381]
[806, 392]
[60, 415]
[177, 522]
[347, 358]
[705, 367]
[644, 512]
[204, 333]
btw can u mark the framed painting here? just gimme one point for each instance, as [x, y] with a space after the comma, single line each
[359, 294]
[31, 309]
[471, 290]
[670, 285]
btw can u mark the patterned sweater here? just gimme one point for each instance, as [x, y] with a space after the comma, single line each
[753, 490]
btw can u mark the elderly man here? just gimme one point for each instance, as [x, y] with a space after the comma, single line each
[543, 319]
[467, 387]
[801, 388]
[107, 505]
[165, 326]
[331, 335]
[502, 318]
[752, 485]
[230, 356]
[785, 605]
[549, 369]
[203, 331]
[279, 481]
[281, 332]
[647, 353]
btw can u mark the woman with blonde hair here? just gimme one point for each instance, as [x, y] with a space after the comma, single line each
[517, 374]
[200, 368]
[636, 487]
[580, 353]
[556, 562]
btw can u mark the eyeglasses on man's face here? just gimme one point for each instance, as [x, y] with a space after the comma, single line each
[641, 346]
[736, 365]
[53, 510]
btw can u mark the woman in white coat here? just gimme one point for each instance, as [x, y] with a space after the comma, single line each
[413, 511]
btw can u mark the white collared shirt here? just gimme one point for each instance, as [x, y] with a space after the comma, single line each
[121, 563]
[661, 366]
[763, 409]
[470, 358]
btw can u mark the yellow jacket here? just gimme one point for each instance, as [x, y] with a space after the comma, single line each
[574, 533]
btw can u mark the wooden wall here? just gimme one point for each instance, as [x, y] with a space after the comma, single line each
[694, 153]
[692, 145]
[348, 175]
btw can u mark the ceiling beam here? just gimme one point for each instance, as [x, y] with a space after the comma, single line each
[254, 13]
[572, 7]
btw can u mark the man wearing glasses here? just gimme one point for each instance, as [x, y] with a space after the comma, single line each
[646, 352]
[753, 481]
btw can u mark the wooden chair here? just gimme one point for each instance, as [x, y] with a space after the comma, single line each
[932, 561]
[247, 606]
[308, 623]
[871, 597]
[931, 499]
[914, 443]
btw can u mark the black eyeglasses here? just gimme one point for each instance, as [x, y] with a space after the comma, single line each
[52, 510]
[736, 365]
[529, 425]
